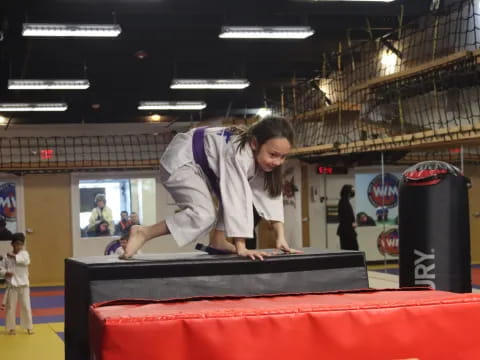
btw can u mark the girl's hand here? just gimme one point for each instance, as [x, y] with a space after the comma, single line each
[252, 254]
[282, 245]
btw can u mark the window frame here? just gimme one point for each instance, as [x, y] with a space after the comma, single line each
[89, 246]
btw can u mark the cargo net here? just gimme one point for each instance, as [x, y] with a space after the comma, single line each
[421, 79]
[83, 152]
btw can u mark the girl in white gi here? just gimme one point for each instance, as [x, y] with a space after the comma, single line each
[243, 169]
[14, 267]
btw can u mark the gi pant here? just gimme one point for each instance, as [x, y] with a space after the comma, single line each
[21, 294]
[188, 187]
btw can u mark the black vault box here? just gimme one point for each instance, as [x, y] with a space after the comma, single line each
[90, 280]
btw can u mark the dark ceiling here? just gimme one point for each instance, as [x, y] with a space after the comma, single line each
[180, 38]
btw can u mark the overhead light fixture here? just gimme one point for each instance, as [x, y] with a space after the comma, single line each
[33, 107]
[3, 120]
[216, 84]
[264, 112]
[155, 117]
[389, 61]
[385, 1]
[266, 32]
[172, 105]
[76, 30]
[31, 84]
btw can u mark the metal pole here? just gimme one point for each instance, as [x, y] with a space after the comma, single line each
[326, 208]
[383, 206]
[461, 158]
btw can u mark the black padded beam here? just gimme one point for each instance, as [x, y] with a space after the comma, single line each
[164, 276]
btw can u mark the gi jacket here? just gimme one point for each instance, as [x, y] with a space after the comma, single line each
[241, 184]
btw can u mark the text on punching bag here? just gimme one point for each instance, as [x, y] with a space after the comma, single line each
[424, 268]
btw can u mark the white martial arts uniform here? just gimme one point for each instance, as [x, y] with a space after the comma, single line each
[18, 289]
[241, 188]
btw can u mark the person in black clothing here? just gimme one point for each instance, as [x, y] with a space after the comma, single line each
[346, 218]
[5, 234]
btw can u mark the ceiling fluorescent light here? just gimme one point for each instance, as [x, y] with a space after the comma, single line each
[77, 30]
[385, 1]
[172, 105]
[264, 112]
[33, 107]
[219, 84]
[266, 32]
[30, 84]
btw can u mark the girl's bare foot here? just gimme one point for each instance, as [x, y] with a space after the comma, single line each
[30, 332]
[136, 240]
[223, 245]
[12, 332]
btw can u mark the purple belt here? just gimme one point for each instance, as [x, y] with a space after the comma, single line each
[198, 147]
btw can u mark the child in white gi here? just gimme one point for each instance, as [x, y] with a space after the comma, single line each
[14, 267]
[242, 168]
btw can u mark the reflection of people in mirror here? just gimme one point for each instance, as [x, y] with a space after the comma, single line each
[100, 213]
[123, 225]
[134, 218]
[364, 220]
[102, 229]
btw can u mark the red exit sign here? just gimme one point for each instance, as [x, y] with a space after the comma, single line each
[46, 154]
[332, 170]
[325, 170]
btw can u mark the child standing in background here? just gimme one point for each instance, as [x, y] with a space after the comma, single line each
[14, 267]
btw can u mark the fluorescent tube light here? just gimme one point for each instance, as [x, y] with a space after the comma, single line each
[33, 107]
[31, 84]
[264, 112]
[219, 84]
[385, 1]
[266, 32]
[172, 105]
[77, 30]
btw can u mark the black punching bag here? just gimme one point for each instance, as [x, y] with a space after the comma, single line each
[434, 227]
